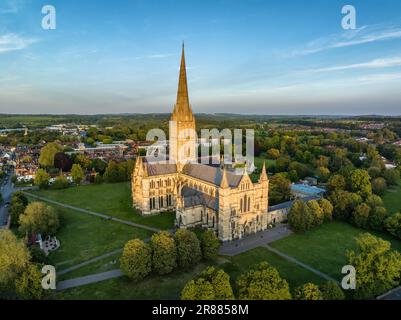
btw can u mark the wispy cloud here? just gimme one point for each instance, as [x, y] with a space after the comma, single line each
[363, 35]
[11, 6]
[373, 64]
[13, 42]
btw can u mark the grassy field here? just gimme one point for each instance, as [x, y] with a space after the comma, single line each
[392, 199]
[112, 199]
[324, 248]
[83, 237]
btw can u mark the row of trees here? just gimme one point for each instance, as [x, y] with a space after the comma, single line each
[166, 252]
[304, 216]
[261, 282]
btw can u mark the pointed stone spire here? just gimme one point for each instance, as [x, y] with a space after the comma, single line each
[263, 174]
[182, 109]
[224, 181]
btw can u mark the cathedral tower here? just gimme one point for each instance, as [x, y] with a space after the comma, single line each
[182, 138]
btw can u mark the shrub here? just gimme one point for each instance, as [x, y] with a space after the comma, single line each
[136, 260]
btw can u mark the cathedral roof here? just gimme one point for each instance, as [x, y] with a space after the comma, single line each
[193, 198]
[156, 169]
[211, 174]
[182, 109]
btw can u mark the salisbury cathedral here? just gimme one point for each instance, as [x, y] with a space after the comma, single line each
[209, 196]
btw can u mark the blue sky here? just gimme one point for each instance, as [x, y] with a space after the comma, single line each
[253, 56]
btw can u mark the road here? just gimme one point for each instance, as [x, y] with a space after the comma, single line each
[7, 189]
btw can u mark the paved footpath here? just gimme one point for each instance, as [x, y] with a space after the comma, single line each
[72, 283]
[303, 265]
[96, 214]
[255, 240]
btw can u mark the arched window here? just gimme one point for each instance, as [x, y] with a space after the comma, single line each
[249, 204]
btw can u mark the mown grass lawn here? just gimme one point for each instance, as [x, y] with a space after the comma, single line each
[109, 198]
[324, 247]
[84, 237]
[392, 199]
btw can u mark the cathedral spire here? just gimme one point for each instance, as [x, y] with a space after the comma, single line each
[182, 109]
[263, 174]
[224, 181]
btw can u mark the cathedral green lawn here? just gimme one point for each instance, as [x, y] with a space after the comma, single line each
[324, 247]
[84, 237]
[109, 198]
[392, 199]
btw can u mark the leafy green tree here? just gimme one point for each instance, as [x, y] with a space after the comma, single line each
[39, 218]
[29, 284]
[188, 248]
[379, 186]
[393, 224]
[392, 176]
[300, 217]
[327, 208]
[377, 217]
[14, 258]
[331, 291]
[323, 173]
[61, 182]
[378, 268]
[42, 179]
[360, 182]
[280, 189]
[360, 216]
[83, 161]
[210, 245]
[344, 203]
[262, 282]
[47, 153]
[336, 183]
[112, 173]
[77, 173]
[164, 252]
[374, 172]
[211, 284]
[374, 201]
[136, 259]
[273, 153]
[308, 291]
[17, 207]
[316, 212]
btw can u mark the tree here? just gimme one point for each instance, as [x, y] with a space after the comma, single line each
[112, 174]
[392, 176]
[360, 216]
[62, 162]
[47, 154]
[14, 258]
[377, 217]
[308, 291]
[360, 182]
[29, 284]
[188, 248]
[336, 183]
[17, 207]
[327, 208]
[378, 268]
[323, 173]
[39, 218]
[211, 284]
[379, 186]
[280, 189]
[344, 203]
[331, 291]
[77, 173]
[300, 217]
[374, 172]
[210, 245]
[61, 182]
[273, 153]
[262, 282]
[83, 161]
[42, 179]
[316, 212]
[164, 252]
[136, 259]
[393, 224]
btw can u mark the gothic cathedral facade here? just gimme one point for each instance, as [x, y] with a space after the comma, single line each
[208, 196]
